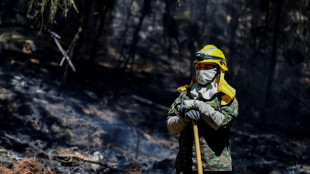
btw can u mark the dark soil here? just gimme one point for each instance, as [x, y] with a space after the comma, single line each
[104, 121]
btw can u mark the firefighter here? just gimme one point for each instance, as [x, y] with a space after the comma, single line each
[209, 101]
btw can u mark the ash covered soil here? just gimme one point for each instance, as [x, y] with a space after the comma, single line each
[109, 122]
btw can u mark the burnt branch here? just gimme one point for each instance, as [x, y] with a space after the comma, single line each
[55, 36]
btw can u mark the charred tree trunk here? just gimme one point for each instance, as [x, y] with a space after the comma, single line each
[232, 26]
[146, 9]
[274, 57]
[170, 25]
[105, 13]
[204, 15]
[123, 38]
[77, 40]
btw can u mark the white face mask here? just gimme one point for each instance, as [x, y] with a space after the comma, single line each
[205, 76]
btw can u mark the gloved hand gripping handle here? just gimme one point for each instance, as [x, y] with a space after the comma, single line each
[208, 113]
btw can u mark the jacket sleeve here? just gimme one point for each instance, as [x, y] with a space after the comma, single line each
[176, 123]
[230, 112]
[217, 118]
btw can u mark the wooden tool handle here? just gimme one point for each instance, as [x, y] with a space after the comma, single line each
[198, 154]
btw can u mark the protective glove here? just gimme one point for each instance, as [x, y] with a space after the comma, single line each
[208, 113]
[186, 106]
[182, 109]
[177, 123]
[188, 114]
[193, 114]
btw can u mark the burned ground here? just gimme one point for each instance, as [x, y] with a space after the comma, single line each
[110, 115]
[70, 128]
[116, 124]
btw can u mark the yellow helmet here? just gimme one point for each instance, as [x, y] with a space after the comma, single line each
[211, 54]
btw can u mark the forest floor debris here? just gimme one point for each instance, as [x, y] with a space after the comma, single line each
[108, 126]
[29, 166]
